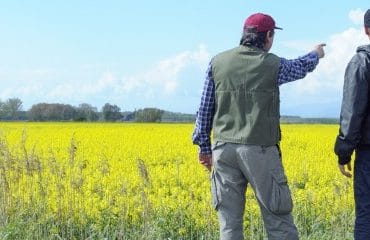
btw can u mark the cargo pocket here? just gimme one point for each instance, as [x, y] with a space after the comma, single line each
[281, 199]
[215, 192]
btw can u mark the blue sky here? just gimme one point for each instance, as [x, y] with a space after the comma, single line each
[139, 54]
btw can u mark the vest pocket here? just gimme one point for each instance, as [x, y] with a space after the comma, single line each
[281, 199]
[217, 144]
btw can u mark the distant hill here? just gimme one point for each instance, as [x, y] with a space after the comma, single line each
[185, 117]
[177, 117]
[297, 119]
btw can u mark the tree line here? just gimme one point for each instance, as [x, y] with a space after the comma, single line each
[12, 109]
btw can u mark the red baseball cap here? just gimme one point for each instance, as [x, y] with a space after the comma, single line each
[262, 22]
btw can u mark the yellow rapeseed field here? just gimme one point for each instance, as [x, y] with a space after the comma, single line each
[143, 181]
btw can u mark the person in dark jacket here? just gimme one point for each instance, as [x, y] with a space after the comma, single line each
[354, 132]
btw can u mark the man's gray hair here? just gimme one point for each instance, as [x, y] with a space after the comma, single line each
[253, 38]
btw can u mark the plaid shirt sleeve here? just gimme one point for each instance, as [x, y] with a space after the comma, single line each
[291, 70]
[203, 123]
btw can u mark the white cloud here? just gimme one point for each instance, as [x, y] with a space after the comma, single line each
[163, 77]
[298, 45]
[357, 16]
[329, 73]
[322, 89]
[79, 90]
[20, 91]
[107, 80]
[39, 72]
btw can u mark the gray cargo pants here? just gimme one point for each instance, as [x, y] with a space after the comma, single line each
[236, 165]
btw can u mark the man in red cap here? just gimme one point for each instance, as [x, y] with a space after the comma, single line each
[354, 132]
[240, 103]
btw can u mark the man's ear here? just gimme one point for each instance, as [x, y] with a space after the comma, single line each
[270, 33]
[269, 36]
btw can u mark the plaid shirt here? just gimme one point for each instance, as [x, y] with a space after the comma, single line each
[289, 70]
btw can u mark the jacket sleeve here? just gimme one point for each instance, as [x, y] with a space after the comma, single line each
[354, 107]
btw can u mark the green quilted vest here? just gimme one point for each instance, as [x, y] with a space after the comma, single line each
[247, 97]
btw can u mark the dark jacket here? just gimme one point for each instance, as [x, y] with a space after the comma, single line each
[354, 132]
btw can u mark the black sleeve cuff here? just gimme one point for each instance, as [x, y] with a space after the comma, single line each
[343, 160]
[344, 150]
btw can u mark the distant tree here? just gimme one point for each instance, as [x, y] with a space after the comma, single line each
[51, 112]
[149, 115]
[36, 112]
[86, 112]
[111, 112]
[2, 112]
[66, 111]
[128, 116]
[11, 108]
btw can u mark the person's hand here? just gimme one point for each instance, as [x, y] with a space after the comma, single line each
[319, 49]
[206, 160]
[342, 169]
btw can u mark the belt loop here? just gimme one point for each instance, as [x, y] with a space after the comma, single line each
[263, 149]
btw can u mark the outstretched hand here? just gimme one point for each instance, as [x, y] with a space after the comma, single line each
[206, 160]
[319, 49]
